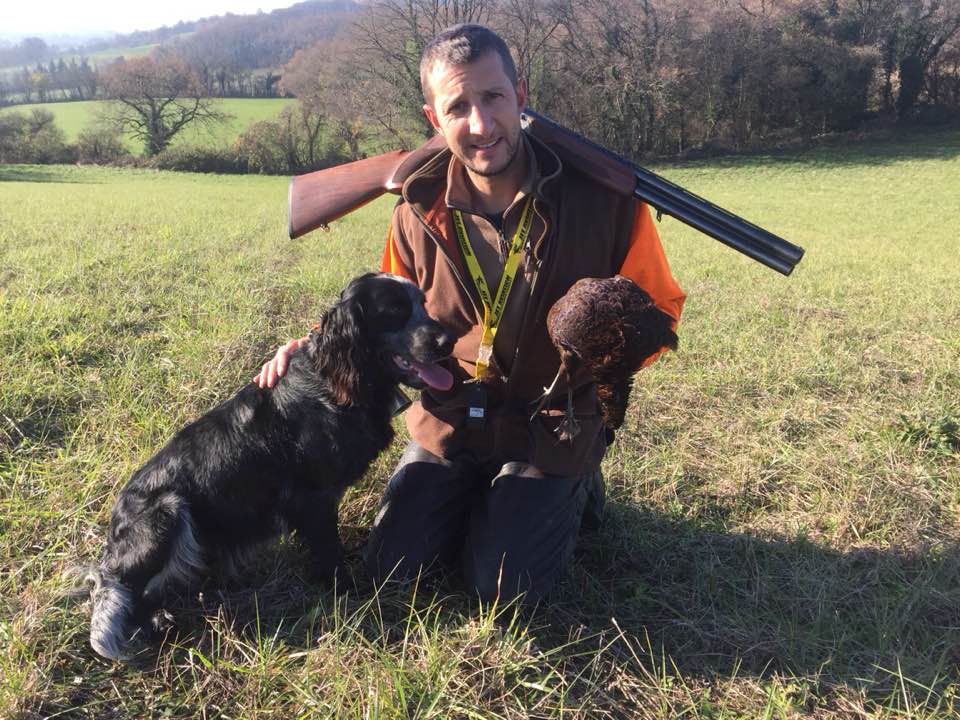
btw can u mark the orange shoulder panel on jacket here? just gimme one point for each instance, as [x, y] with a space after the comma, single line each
[391, 262]
[646, 264]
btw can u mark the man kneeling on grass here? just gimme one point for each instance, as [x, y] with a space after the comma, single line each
[482, 487]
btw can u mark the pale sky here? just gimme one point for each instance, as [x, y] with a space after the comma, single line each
[123, 16]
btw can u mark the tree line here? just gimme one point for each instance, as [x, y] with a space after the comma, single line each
[59, 80]
[643, 77]
[661, 76]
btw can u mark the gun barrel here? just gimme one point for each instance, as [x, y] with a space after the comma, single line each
[665, 196]
[761, 252]
[699, 208]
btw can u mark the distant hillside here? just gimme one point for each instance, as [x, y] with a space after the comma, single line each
[260, 22]
[233, 55]
[273, 36]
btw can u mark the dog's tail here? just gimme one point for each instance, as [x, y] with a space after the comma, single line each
[112, 624]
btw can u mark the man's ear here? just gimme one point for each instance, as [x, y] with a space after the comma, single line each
[521, 94]
[431, 116]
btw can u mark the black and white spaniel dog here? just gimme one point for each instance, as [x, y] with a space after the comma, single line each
[267, 460]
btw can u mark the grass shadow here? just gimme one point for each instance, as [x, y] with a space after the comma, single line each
[42, 174]
[734, 604]
[645, 587]
[716, 603]
[41, 420]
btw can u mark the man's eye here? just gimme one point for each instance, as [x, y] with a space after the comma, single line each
[457, 108]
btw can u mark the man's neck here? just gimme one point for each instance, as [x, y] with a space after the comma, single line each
[494, 193]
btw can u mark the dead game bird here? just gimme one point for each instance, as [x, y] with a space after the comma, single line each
[610, 326]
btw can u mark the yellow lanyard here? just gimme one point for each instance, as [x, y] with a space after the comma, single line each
[493, 311]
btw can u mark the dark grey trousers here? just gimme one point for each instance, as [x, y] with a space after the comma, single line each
[508, 528]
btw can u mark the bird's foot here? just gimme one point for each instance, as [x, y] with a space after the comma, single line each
[568, 429]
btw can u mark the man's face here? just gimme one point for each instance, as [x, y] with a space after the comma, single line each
[477, 110]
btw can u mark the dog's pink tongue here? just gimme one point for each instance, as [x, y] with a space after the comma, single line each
[435, 376]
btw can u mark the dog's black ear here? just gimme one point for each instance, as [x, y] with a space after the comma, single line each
[344, 349]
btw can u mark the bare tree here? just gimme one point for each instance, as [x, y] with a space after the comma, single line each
[329, 93]
[910, 36]
[924, 27]
[614, 74]
[155, 98]
[389, 39]
[531, 28]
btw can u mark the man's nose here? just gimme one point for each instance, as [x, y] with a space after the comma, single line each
[479, 121]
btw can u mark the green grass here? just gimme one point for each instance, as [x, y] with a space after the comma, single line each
[73, 117]
[781, 535]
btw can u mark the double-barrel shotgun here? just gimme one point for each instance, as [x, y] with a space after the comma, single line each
[318, 198]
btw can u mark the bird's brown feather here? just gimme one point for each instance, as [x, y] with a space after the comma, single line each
[611, 326]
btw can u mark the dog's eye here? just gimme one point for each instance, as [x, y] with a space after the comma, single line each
[388, 306]
[392, 318]
[389, 312]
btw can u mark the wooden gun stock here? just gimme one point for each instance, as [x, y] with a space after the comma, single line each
[320, 197]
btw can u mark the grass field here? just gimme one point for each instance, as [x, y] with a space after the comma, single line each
[72, 117]
[782, 522]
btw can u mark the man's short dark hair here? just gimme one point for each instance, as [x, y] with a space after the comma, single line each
[462, 44]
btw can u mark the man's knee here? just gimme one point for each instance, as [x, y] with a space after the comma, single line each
[420, 520]
[492, 578]
[523, 534]
[399, 546]
[387, 558]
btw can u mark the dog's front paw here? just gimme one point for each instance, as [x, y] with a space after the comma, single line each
[161, 623]
[335, 576]
[343, 579]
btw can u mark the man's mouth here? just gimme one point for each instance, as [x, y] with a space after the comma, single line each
[433, 375]
[486, 146]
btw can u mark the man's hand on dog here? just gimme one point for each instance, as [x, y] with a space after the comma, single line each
[274, 368]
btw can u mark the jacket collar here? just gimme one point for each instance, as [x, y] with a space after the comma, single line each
[443, 173]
